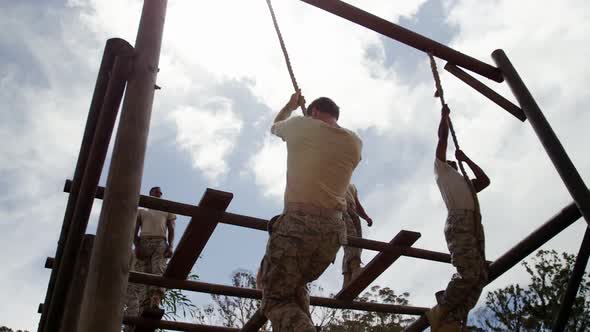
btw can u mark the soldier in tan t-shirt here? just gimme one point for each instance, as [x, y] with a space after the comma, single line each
[321, 157]
[153, 240]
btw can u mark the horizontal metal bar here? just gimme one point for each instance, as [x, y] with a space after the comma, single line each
[251, 293]
[535, 240]
[486, 91]
[407, 37]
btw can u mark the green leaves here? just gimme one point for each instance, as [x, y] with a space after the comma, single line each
[534, 307]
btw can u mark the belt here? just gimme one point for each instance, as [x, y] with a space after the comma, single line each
[312, 210]
[152, 237]
[461, 211]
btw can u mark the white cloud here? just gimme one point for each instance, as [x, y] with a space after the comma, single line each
[270, 168]
[208, 135]
[205, 44]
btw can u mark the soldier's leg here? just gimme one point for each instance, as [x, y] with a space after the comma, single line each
[157, 266]
[145, 265]
[466, 257]
[351, 262]
[281, 280]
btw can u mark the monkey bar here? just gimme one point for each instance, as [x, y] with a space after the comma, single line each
[95, 299]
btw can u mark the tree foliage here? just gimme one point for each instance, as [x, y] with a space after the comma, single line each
[365, 321]
[176, 303]
[235, 312]
[534, 307]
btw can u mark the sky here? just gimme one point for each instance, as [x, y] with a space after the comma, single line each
[223, 79]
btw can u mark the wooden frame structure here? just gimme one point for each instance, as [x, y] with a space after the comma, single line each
[89, 274]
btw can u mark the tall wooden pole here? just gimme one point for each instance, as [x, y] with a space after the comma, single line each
[109, 270]
[556, 152]
[113, 47]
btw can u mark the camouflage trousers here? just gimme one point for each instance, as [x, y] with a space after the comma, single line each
[299, 250]
[466, 243]
[152, 261]
[351, 262]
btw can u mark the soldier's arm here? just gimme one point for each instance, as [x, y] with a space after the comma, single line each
[295, 101]
[171, 225]
[360, 210]
[481, 180]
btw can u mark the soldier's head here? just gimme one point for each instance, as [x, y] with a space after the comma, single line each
[156, 192]
[323, 109]
[453, 164]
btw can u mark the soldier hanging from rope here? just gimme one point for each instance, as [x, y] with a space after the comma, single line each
[463, 233]
[321, 157]
[351, 262]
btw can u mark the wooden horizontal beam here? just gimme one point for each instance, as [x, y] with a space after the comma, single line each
[197, 234]
[377, 265]
[261, 224]
[486, 91]
[251, 293]
[150, 315]
[407, 37]
[153, 324]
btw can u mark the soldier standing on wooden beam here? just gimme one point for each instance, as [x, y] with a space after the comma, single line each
[463, 233]
[153, 240]
[321, 157]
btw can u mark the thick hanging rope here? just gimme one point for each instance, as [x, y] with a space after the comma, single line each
[284, 48]
[441, 96]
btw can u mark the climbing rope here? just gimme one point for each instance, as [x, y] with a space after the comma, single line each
[284, 48]
[441, 96]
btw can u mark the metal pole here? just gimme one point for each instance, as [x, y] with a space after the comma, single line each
[112, 48]
[573, 284]
[486, 91]
[534, 241]
[109, 266]
[87, 191]
[407, 37]
[566, 169]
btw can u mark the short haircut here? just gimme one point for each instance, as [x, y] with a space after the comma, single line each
[154, 188]
[325, 105]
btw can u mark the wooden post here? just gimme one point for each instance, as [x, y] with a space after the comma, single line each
[76, 290]
[534, 241]
[112, 48]
[561, 161]
[83, 208]
[109, 266]
[486, 91]
[573, 284]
